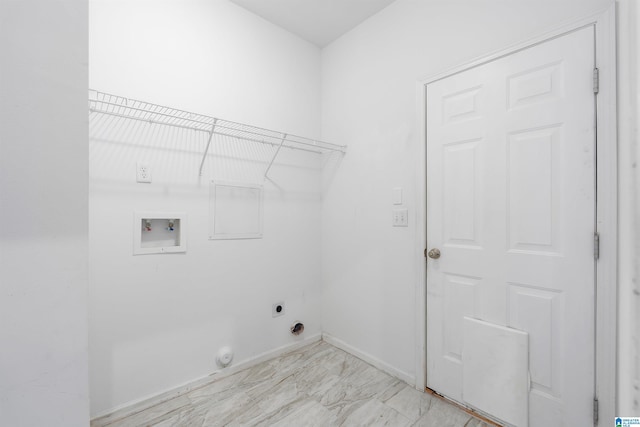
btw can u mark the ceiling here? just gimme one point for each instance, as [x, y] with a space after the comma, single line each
[317, 21]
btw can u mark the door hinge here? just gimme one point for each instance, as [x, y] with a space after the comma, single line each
[596, 245]
[595, 411]
[596, 80]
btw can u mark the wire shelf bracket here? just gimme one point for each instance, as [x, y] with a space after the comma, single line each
[119, 106]
[206, 150]
[284, 138]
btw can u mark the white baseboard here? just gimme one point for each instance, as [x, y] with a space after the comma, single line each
[140, 405]
[377, 363]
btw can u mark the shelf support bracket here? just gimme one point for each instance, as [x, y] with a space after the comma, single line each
[206, 150]
[284, 138]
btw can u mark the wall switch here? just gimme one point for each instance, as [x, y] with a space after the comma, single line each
[143, 172]
[397, 196]
[400, 218]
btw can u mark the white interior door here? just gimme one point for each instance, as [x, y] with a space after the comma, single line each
[511, 207]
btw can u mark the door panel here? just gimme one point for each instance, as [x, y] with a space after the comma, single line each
[511, 206]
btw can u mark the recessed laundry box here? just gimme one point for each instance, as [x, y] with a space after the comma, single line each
[159, 232]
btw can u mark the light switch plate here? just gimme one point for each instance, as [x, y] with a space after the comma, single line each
[397, 195]
[400, 218]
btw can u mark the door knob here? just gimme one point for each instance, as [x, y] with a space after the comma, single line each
[434, 253]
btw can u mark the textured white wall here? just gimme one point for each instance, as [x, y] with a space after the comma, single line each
[43, 213]
[629, 241]
[369, 90]
[157, 321]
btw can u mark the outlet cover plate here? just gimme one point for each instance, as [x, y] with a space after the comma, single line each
[400, 218]
[143, 172]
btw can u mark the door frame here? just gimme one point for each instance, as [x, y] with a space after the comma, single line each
[604, 24]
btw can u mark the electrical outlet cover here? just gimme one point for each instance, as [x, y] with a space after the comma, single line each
[400, 218]
[143, 172]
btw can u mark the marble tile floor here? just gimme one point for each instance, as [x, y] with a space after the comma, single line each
[317, 385]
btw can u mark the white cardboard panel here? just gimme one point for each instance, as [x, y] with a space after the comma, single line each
[495, 371]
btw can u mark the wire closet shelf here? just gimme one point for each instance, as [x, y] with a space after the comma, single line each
[119, 106]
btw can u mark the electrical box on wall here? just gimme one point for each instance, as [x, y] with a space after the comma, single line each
[159, 232]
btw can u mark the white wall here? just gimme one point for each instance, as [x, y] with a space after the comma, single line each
[629, 241]
[369, 91]
[43, 212]
[157, 321]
